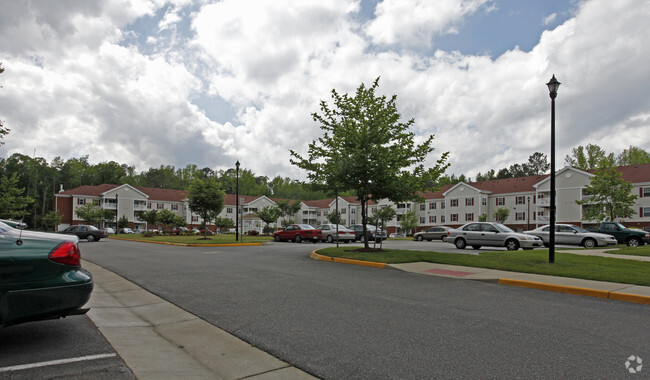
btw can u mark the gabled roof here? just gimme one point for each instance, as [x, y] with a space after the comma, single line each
[635, 173]
[154, 193]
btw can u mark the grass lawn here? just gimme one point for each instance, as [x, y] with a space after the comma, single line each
[536, 261]
[193, 239]
[623, 249]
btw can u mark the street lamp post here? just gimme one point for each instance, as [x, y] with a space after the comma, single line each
[237, 204]
[117, 210]
[528, 215]
[553, 86]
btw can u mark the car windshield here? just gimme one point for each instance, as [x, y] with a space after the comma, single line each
[580, 229]
[502, 228]
[306, 227]
[92, 228]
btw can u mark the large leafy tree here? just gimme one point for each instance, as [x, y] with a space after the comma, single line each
[610, 196]
[206, 198]
[149, 216]
[269, 214]
[409, 222]
[501, 214]
[588, 158]
[90, 213]
[13, 201]
[633, 156]
[367, 150]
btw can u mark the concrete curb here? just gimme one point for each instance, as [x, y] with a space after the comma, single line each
[577, 290]
[316, 256]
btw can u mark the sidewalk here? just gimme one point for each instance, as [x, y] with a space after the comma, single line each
[158, 340]
[601, 289]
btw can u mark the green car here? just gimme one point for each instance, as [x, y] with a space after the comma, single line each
[40, 276]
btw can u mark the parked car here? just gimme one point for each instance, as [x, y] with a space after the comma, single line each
[491, 234]
[108, 230]
[83, 231]
[633, 238]
[126, 231]
[374, 233]
[397, 235]
[40, 276]
[573, 235]
[298, 233]
[329, 233]
[432, 233]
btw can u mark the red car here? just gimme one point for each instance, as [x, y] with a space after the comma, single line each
[298, 233]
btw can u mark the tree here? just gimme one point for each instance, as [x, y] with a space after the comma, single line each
[366, 149]
[610, 196]
[588, 158]
[382, 216]
[149, 216]
[90, 213]
[123, 222]
[483, 217]
[633, 156]
[51, 220]
[501, 214]
[206, 199]
[289, 208]
[13, 203]
[537, 164]
[409, 222]
[334, 217]
[224, 222]
[269, 214]
[168, 218]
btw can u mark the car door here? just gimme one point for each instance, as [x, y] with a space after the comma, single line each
[568, 235]
[490, 236]
[472, 234]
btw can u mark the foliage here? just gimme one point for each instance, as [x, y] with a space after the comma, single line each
[123, 222]
[611, 196]
[149, 216]
[334, 217]
[537, 164]
[588, 158]
[168, 218]
[13, 203]
[382, 216]
[365, 149]
[483, 217]
[409, 222]
[633, 156]
[224, 222]
[89, 213]
[286, 222]
[206, 198]
[51, 220]
[501, 214]
[269, 214]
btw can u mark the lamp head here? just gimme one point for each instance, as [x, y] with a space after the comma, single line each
[553, 86]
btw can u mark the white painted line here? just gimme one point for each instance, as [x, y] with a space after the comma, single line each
[55, 362]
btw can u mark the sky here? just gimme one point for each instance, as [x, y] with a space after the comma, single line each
[155, 82]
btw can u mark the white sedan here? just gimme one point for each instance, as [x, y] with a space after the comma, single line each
[573, 235]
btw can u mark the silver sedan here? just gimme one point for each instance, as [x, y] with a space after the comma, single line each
[329, 233]
[573, 235]
[491, 234]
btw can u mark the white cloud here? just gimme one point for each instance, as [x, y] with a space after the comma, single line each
[415, 23]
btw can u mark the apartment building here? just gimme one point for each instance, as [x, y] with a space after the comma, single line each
[526, 198]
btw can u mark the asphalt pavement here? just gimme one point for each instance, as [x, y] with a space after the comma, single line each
[158, 340]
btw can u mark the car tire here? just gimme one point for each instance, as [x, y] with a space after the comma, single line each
[512, 245]
[90, 238]
[419, 238]
[476, 247]
[429, 239]
[633, 242]
[589, 243]
[460, 243]
[298, 239]
[444, 238]
[330, 239]
[276, 238]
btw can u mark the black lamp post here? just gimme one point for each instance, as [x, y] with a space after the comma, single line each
[117, 230]
[553, 86]
[237, 204]
[528, 215]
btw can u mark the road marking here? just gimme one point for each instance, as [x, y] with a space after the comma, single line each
[56, 362]
[212, 253]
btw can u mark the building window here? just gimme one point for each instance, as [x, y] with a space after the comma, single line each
[469, 201]
[229, 210]
[81, 201]
[195, 218]
[442, 204]
[501, 201]
[422, 220]
[644, 192]
[342, 211]
[149, 205]
[520, 200]
[469, 217]
[644, 212]
[353, 211]
[442, 219]
[432, 206]
[432, 219]
[353, 221]
[454, 203]
[423, 207]
[175, 207]
[399, 218]
[161, 206]
[484, 201]
[454, 217]
[520, 216]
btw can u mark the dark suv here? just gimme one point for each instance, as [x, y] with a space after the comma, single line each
[374, 233]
